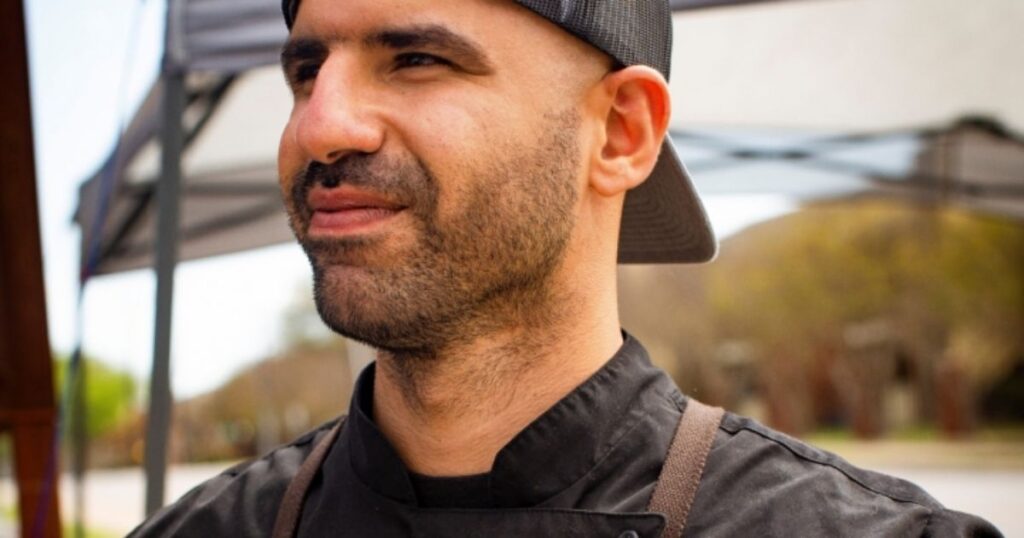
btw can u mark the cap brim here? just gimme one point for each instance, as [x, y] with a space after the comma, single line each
[663, 220]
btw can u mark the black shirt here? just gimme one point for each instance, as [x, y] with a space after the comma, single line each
[472, 491]
[586, 467]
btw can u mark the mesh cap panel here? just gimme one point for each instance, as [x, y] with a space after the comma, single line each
[634, 32]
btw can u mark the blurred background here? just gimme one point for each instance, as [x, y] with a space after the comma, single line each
[861, 160]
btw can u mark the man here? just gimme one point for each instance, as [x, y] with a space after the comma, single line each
[464, 176]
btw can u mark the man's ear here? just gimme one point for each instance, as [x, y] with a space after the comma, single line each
[637, 119]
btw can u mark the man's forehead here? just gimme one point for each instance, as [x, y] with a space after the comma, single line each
[354, 17]
[488, 23]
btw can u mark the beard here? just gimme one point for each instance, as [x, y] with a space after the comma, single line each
[485, 266]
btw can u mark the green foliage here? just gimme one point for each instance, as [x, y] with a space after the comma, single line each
[938, 275]
[806, 319]
[110, 394]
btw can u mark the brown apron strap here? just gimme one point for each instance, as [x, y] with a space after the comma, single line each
[287, 521]
[673, 494]
[684, 465]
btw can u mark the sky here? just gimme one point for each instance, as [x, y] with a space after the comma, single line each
[90, 65]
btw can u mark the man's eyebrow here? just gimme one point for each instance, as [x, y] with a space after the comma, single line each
[430, 36]
[299, 49]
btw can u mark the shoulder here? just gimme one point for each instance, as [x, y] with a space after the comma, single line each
[758, 480]
[241, 501]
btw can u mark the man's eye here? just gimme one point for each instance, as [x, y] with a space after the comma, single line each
[418, 59]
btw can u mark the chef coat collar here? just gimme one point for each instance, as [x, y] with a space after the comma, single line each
[555, 451]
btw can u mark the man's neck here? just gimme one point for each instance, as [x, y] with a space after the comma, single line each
[449, 415]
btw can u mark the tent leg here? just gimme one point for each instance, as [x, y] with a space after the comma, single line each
[168, 195]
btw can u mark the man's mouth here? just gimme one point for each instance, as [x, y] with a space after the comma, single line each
[347, 210]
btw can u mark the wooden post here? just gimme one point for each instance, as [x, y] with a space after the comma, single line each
[26, 377]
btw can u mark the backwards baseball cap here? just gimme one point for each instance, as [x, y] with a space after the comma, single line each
[663, 220]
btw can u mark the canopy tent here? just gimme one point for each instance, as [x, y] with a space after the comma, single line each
[897, 73]
[973, 162]
[822, 68]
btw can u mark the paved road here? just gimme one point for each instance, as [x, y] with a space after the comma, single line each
[114, 499]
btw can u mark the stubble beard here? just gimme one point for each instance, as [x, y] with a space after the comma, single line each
[488, 268]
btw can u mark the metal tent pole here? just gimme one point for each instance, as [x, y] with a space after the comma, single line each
[168, 198]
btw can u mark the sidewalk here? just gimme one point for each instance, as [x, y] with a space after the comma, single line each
[115, 498]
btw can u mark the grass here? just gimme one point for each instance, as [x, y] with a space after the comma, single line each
[1010, 433]
[89, 533]
[991, 448]
[1002, 432]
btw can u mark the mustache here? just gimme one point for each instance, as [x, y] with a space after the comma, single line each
[406, 182]
[390, 177]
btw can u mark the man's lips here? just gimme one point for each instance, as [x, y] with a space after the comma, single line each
[345, 209]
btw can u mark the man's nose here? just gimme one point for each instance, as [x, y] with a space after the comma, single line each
[339, 117]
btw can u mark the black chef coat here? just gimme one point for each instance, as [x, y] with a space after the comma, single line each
[586, 467]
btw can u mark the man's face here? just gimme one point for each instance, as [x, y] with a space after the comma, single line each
[431, 165]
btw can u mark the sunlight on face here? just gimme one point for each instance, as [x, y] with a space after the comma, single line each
[430, 172]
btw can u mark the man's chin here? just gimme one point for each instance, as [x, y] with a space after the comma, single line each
[374, 327]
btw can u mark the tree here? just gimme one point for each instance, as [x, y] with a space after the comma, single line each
[110, 394]
[815, 297]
